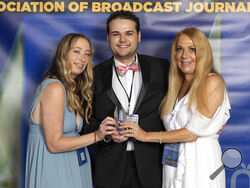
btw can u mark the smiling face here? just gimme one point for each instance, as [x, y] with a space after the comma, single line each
[186, 56]
[123, 39]
[79, 56]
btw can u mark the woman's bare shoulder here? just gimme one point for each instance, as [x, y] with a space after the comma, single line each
[214, 82]
[53, 90]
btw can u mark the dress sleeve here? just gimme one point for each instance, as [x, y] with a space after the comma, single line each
[203, 126]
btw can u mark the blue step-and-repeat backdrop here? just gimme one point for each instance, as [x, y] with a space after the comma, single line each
[30, 31]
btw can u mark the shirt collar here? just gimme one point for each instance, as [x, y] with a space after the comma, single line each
[117, 63]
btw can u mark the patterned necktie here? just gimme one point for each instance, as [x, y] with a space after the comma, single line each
[122, 70]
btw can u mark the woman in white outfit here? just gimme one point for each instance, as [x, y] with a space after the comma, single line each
[195, 108]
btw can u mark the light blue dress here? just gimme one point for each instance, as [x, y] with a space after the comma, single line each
[54, 170]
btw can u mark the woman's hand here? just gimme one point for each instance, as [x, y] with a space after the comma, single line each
[133, 130]
[107, 127]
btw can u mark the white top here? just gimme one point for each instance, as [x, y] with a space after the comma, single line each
[126, 81]
[199, 159]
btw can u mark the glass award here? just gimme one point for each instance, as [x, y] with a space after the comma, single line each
[120, 116]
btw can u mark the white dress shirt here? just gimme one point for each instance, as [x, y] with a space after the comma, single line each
[126, 81]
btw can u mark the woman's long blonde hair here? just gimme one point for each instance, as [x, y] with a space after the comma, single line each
[204, 66]
[79, 90]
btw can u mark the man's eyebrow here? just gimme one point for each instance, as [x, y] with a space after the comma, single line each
[115, 32]
[129, 31]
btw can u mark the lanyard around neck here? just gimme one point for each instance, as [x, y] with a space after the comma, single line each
[130, 94]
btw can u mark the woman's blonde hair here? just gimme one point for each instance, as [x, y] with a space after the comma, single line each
[204, 66]
[79, 90]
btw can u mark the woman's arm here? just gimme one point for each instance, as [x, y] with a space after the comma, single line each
[180, 135]
[215, 94]
[211, 118]
[52, 115]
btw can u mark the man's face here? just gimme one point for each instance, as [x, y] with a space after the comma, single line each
[123, 39]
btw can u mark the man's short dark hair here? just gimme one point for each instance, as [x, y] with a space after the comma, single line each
[122, 14]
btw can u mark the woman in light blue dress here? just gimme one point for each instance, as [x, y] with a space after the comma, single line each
[57, 156]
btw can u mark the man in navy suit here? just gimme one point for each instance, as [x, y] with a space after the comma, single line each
[137, 83]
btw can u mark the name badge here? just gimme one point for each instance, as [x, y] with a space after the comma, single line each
[134, 118]
[81, 155]
[170, 154]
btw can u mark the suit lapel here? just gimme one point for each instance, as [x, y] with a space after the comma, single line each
[107, 81]
[145, 70]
